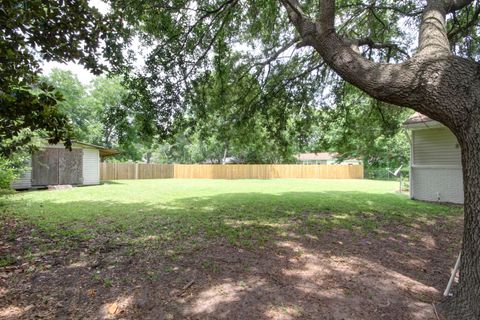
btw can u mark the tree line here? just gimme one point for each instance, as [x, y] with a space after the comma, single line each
[215, 129]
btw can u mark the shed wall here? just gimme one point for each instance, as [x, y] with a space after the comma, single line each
[437, 146]
[25, 180]
[436, 170]
[437, 184]
[91, 167]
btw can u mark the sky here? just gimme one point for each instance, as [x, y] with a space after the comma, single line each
[83, 74]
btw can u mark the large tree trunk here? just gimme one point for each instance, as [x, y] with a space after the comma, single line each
[465, 302]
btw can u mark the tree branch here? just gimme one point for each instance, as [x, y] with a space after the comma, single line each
[305, 27]
[432, 38]
[327, 15]
[379, 80]
[378, 45]
[293, 6]
[455, 5]
[374, 6]
[462, 29]
[276, 54]
[407, 84]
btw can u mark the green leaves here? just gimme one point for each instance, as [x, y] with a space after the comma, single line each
[364, 128]
[463, 31]
[98, 112]
[34, 109]
[231, 72]
[227, 70]
[36, 30]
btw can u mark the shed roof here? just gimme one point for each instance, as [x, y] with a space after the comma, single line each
[103, 151]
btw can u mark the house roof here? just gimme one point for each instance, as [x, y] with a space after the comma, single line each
[316, 156]
[417, 117]
[418, 120]
[103, 151]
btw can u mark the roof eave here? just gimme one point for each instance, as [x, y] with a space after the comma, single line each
[423, 125]
[107, 152]
[104, 152]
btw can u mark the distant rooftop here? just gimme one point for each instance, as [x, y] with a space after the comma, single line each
[316, 156]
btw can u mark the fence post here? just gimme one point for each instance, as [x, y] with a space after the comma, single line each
[136, 170]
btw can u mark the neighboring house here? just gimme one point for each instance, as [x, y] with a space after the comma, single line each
[323, 158]
[435, 161]
[227, 160]
[55, 165]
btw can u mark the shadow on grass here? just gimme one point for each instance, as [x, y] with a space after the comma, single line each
[294, 255]
[109, 182]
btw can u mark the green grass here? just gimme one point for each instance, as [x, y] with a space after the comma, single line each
[244, 212]
[7, 260]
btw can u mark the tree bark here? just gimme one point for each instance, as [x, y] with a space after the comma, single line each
[465, 302]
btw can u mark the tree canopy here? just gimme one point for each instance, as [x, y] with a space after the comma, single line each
[186, 40]
[35, 31]
[252, 48]
[98, 113]
[249, 46]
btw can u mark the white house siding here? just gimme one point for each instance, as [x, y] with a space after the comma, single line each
[436, 171]
[333, 161]
[91, 167]
[346, 162]
[25, 180]
[436, 146]
[437, 184]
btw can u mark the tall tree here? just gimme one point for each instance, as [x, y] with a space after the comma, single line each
[47, 30]
[114, 123]
[72, 103]
[98, 113]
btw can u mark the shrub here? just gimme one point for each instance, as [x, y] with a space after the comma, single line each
[11, 169]
[8, 173]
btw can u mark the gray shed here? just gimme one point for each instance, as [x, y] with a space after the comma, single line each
[435, 161]
[55, 165]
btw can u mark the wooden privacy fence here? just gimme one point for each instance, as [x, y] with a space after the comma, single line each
[118, 171]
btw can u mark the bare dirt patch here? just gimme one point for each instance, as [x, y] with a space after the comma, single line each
[394, 272]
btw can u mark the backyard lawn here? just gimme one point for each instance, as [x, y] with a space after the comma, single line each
[225, 249]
